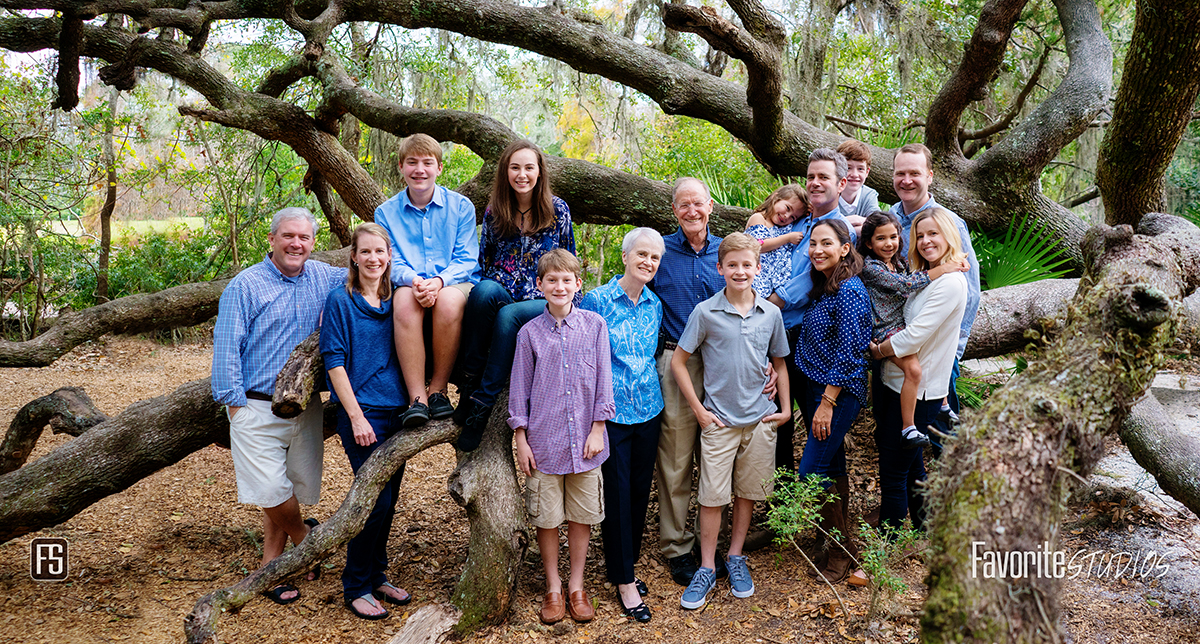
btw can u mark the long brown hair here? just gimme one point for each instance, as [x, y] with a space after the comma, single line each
[847, 267]
[503, 203]
[353, 280]
[784, 193]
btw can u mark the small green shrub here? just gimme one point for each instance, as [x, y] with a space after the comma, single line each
[1027, 253]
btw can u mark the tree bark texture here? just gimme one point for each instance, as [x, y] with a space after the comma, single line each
[1152, 111]
[1169, 455]
[201, 624]
[485, 484]
[108, 458]
[110, 198]
[1002, 483]
[67, 410]
[985, 190]
[301, 376]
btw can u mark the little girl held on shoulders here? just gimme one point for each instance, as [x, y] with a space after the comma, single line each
[771, 224]
[885, 274]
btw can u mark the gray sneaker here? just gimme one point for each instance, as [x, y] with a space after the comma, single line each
[739, 576]
[696, 594]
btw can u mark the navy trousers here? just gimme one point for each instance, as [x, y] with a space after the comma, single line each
[628, 472]
[900, 469]
[366, 554]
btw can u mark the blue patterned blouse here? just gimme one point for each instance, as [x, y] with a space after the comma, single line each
[512, 261]
[832, 348]
[776, 264]
[632, 337]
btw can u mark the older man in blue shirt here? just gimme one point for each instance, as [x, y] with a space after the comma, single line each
[686, 277]
[266, 311]
[435, 262]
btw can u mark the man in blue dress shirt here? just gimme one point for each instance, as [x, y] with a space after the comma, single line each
[266, 311]
[435, 262]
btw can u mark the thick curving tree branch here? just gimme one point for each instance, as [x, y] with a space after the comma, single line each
[1153, 108]
[1070, 108]
[67, 410]
[980, 64]
[1003, 482]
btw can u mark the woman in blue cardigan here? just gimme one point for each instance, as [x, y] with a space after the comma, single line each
[364, 376]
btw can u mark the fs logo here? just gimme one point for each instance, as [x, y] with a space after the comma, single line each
[48, 559]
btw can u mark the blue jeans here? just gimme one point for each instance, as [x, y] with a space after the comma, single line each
[900, 469]
[492, 320]
[628, 472]
[827, 457]
[366, 554]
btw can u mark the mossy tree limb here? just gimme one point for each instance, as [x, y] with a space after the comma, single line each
[1002, 484]
[201, 624]
[485, 484]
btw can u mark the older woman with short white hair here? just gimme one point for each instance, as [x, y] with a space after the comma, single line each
[633, 314]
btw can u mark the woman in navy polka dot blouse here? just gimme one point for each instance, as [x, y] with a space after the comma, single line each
[832, 354]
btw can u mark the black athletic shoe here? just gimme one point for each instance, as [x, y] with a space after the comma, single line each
[682, 568]
[472, 431]
[439, 406]
[416, 415]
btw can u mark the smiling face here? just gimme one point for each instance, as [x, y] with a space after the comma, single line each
[420, 172]
[692, 206]
[523, 172]
[641, 261]
[824, 187]
[788, 210]
[911, 177]
[884, 242]
[825, 250]
[930, 242]
[291, 245]
[559, 287]
[373, 256]
[856, 174]
[739, 268]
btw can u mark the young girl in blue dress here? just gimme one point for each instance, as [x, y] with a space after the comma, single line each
[889, 282]
[771, 224]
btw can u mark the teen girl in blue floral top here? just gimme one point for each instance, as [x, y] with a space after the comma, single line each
[523, 221]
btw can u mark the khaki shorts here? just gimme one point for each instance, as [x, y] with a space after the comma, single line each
[578, 498]
[273, 457]
[738, 461]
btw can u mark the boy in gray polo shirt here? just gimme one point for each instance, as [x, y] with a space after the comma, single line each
[737, 333]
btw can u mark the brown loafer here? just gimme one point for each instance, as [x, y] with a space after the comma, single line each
[553, 609]
[580, 606]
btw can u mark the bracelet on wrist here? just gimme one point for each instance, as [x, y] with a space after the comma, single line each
[828, 399]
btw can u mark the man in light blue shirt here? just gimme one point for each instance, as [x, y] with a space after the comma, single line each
[435, 263]
[266, 311]
[912, 175]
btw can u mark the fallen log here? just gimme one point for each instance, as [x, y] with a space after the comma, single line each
[67, 410]
[201, 624]
[1001, 485]
[1169, 455]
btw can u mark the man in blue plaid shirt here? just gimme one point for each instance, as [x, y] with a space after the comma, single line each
[266, 311]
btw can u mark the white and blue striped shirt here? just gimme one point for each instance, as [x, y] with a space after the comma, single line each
[263, 315]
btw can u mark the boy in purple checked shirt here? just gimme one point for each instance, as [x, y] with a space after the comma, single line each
[559, 396]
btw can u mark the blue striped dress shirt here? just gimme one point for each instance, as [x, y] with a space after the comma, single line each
[262, 316]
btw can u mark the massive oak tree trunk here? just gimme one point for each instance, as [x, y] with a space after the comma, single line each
[1153, 108]
[1003, 481]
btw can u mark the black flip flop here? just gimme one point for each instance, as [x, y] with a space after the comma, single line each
[382, 596]
[350, 604]
[276, 594]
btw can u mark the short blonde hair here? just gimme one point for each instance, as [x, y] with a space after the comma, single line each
[949, 230]
[559, 261]
[736, 242]
[419, 145]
